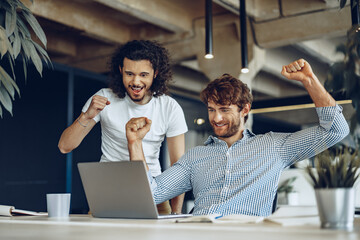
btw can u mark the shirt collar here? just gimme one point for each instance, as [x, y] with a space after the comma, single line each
[135, 105]
[246, 134]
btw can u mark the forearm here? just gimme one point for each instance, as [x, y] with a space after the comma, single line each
[136, 152]
[317, 92]
[171, 183]
[177, 203]
[75, 133]
[176, 147]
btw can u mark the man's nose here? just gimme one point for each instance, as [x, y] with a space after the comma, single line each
[218, 117]
[136, 80]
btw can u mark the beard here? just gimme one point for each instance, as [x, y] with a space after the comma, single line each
[234, 129]
[135, 98]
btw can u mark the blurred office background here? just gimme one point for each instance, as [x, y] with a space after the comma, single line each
[82, 34]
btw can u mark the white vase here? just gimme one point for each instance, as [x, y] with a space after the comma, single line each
[336, 207]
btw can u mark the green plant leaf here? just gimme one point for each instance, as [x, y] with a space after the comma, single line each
[4, 42]
[7, 82]
[5, 99]
[10, 21]
[26, 49]
[16, 44]
[312, 176]
[23, 29]
[35, 26]
[11, 62]
[34, 56]
[43, 53]
[24, 67]
[336, 171]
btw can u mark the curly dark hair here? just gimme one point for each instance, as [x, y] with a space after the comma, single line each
[142, 50]
[227, 90]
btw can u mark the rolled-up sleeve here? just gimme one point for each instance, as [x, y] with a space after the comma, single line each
[172, 182]
[306, 143]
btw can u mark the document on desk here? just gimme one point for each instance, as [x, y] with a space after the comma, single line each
[214, 218]
[295, 216]
[10, 211]
[284, 216]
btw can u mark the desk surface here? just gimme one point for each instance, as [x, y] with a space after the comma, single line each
[81, 227]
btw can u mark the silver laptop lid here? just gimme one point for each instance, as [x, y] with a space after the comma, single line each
[118, 189]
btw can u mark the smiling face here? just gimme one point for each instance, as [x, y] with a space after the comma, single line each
[138, 77]
[227, 121]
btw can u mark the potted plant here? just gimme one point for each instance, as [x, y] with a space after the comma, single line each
[16, 41]
[333, 179]
[287, 194]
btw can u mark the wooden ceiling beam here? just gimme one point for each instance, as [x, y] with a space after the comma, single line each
[87, 18]
[290, 30]
[61, 44]
[169, 15]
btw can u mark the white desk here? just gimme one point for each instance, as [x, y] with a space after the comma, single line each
[84, 227]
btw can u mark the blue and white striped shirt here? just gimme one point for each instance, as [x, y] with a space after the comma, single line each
[243, 178]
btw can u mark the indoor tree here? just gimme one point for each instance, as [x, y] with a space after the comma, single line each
[16, 46]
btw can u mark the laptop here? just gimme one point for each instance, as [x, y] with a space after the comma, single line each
[119, 190]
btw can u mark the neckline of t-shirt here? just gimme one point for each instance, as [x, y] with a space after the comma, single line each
[135, 105]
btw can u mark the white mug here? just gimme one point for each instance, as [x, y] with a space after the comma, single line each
[58, 205]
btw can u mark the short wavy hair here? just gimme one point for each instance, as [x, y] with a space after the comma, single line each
[138, 50]
[227, 90]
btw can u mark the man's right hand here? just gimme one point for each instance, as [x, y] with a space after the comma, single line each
[137, 128]
[98, 103]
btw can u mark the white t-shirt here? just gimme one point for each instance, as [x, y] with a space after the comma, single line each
[167, 120]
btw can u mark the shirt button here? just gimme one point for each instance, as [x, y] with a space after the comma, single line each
[228, 171]
[227, 154]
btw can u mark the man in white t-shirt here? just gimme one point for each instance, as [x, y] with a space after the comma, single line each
[140, 73]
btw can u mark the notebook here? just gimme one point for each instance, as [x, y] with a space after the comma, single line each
[119, 190]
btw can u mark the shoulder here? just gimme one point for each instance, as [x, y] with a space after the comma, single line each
[167, 102]
[108, 93]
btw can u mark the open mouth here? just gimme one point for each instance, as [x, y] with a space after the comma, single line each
[136, 89]
[219, 125]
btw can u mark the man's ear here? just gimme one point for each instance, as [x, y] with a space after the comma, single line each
[246, 109]
[120, 69]
[156, 73]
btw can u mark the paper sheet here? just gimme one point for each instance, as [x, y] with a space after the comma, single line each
[219, 219]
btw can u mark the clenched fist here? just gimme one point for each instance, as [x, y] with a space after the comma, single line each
[137, 128]
[299, 70]
[98, 103]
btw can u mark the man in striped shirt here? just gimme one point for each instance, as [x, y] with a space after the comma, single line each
[237, 172]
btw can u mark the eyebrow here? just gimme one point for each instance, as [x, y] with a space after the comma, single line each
[146, 73]
[221, 108]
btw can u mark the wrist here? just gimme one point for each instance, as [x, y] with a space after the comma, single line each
[83, 120]
[310, 80]
[134, 142]
[85, 117]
